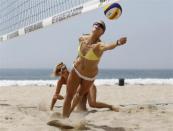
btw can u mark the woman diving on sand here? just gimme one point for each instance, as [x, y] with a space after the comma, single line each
[85, 67]
[62, 72]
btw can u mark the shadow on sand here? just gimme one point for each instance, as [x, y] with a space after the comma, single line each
[107, 128]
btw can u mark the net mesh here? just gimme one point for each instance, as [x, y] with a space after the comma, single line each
[15, 14]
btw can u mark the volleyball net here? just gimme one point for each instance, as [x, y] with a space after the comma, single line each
[19, 17]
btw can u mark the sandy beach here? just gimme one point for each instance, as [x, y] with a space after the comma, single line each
[142, 108]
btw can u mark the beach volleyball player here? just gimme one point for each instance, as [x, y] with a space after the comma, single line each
[62, 72]
[85, 67]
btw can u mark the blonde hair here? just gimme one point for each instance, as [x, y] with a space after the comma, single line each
[58, 69]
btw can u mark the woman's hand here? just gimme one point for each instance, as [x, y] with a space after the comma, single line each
[122, 41]
[57, 96]
[54, 99]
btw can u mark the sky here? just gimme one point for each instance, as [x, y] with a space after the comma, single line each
[147, 24]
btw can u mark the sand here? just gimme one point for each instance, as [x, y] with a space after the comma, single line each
[142, 108]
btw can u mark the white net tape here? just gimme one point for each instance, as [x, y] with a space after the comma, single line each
[19, 17]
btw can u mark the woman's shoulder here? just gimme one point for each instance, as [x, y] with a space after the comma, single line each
[100, 45]
[83, 37]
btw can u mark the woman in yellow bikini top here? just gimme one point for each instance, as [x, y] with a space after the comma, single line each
[85, 67]
[90, 55]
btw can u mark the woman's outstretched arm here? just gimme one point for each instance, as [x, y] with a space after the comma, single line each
[112, 45]
[57, 95]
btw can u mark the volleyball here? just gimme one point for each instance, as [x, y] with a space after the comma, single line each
[113, 11]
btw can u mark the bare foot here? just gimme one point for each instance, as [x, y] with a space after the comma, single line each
[116, 109]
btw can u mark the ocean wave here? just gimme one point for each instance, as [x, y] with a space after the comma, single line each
[97, 82]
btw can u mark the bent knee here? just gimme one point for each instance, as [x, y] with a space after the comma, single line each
[92, 104]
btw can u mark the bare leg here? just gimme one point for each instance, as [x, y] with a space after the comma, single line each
[82, 105]
[72, 84]
[83, 89]
[95, 104]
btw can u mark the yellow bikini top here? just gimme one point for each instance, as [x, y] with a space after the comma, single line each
[90, 55]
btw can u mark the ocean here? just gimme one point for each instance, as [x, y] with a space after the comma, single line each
[20, 77]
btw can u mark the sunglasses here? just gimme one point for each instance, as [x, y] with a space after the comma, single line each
[99, 25]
